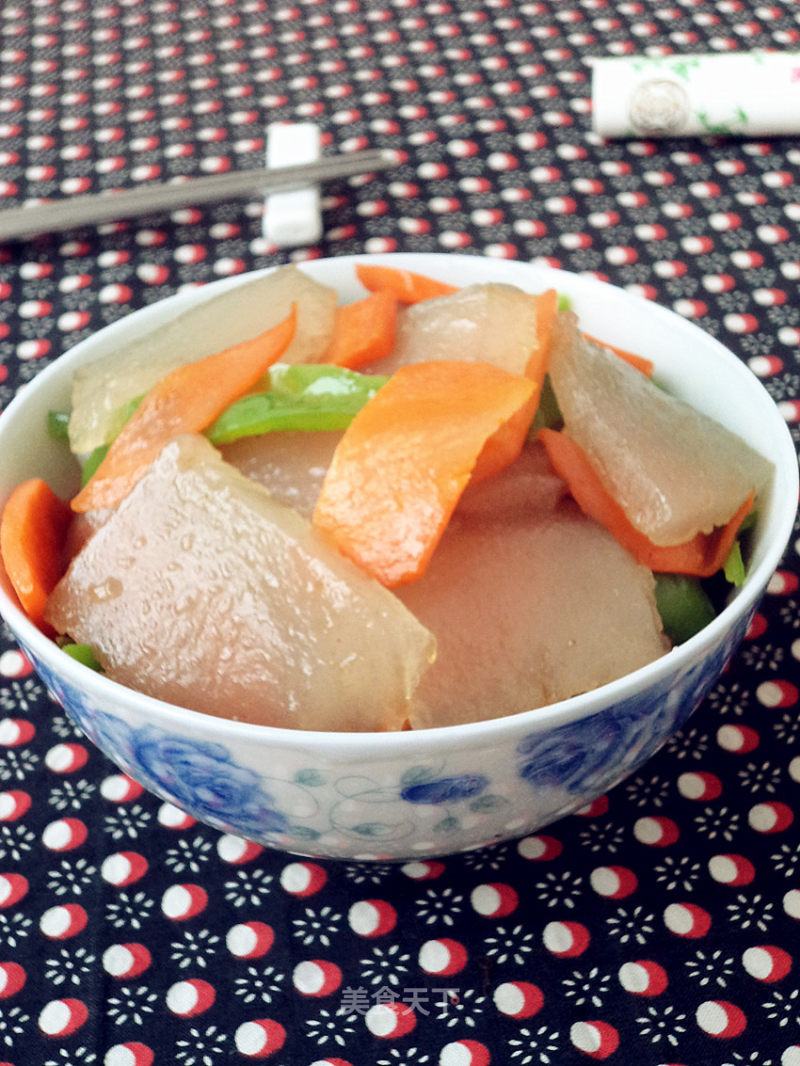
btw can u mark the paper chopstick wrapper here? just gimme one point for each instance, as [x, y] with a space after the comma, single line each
[741, 94]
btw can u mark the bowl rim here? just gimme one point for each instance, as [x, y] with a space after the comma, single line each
[468, 734]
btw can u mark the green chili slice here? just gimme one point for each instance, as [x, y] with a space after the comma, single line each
[83, 653]
[301, 397]
[683, 605]
[58, 425]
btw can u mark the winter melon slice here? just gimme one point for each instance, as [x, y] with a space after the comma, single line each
[673, 470]
[103, 387]
[530, 604]
[291, 464]
[203, 590]
[491, 322]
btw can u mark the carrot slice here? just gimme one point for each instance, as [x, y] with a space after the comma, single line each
[701, 556]
[364, 331]
[186, 400]
[546, 311]
[406, 286]
[504, 445]
[407, 456]
[33, 529]
[646, 366]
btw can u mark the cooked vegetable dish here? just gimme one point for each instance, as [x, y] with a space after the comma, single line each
[427, 506]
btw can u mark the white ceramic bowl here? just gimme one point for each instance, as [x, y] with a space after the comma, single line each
[414, 794]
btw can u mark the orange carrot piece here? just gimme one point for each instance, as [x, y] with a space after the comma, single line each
[403, 462]
[406, 286]
[504, 445]
[186, 400]
[646, 366]
[33, 529]
[546, 311]
[364, 331]
[701, 556]
[705, 553]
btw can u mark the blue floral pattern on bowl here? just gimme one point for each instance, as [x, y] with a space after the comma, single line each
[445, 789]
[396, 808]
[595, 753]
[202, 776]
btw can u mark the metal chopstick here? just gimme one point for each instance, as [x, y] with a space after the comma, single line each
[72, 212]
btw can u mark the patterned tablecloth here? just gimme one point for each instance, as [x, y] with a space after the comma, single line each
[659, 926]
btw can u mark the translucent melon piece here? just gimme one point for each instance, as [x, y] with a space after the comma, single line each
[202, 590]
[102, 387]
[529, 484]
[674, 470]
[291, 465]
[527, 613]
[493, 323]
[82, 527]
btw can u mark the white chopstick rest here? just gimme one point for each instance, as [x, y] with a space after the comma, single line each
[293, 218]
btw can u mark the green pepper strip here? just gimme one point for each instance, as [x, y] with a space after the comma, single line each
[83, 653]
[683, 605]
[58, 425]
[733, 567]
[301, 397]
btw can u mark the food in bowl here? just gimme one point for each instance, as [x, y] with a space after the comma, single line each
[375, 795]
[351, 507]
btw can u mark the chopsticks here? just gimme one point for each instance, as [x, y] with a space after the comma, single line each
[72, 212]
